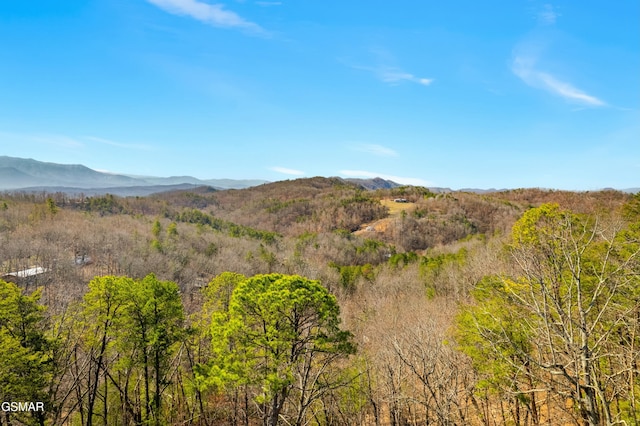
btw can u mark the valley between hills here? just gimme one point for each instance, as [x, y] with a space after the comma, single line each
[320, 301]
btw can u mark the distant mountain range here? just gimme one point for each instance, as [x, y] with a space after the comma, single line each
[32, 175]
[37, 176]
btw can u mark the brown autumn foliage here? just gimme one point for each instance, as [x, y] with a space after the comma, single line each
[399, 286]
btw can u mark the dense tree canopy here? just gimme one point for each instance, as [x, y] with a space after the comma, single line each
[25, 352]
[566, 320]
[279, 333]
[134, 326]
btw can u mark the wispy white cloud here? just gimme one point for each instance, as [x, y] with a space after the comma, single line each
[528, 64]
[548, 15]
[567, 91]
[374, 149]
[386, 70]
[525, 68]
[398, 179]
[287, 171]
[212, 14]
[61, 141]
[69, 142]
[137, 146]
[394, 75]
[57, 140]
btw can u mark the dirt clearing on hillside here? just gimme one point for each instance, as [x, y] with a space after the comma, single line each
[381, 226]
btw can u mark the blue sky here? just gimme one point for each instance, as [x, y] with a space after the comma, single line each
[459, 94]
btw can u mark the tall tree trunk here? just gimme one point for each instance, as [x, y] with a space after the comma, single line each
[156, 397]
[93, 388]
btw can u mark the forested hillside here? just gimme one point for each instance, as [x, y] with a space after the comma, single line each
[318, 302]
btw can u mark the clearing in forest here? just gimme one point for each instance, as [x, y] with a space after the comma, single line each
[395, 210]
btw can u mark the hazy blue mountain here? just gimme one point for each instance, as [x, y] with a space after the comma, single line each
[32, 175]
[16, 178]
[121, 191]
[218, 183]
[31, 172]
